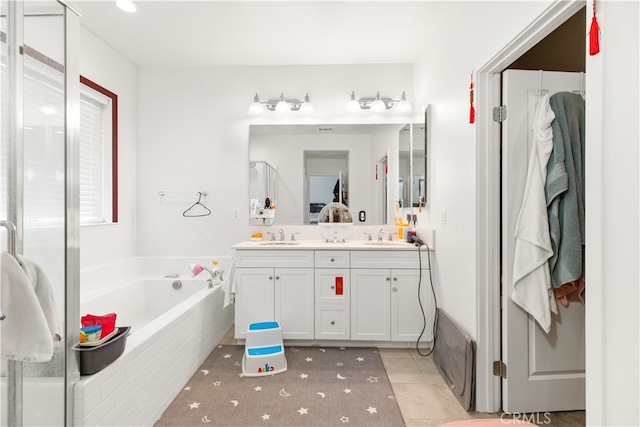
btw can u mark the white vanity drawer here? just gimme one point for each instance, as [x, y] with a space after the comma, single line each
[333, 286]
[331, 259]
[273, 258]
[333, 322]
[389, 259]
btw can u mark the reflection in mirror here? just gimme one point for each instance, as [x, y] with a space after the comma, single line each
[325, 172]
[262, 192]
[419, 165]
[358, 151]
[404, 167]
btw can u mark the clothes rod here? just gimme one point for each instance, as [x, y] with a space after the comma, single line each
[164, 193]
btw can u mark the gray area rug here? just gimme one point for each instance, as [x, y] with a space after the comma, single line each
[332, 386]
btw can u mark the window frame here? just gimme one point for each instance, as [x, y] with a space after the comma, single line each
[114, 145]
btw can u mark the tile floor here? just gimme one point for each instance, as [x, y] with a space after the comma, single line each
[426, 401]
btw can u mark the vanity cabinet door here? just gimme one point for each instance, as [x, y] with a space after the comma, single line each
[370, 304]
[254, 298]
[333, 322]
[294, 302]
[407, 321]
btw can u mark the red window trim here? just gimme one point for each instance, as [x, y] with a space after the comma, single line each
[114, 142]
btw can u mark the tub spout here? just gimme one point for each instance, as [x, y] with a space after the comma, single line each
[216, 275]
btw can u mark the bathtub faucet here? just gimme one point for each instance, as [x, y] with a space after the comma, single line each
[216, 276]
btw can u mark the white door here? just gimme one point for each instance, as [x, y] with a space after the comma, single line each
[370, 304]
[254, 298]
[294, 299]
[545, 372]
[407, 313]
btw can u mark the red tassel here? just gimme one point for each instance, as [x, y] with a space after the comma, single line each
[594, 33]
[472, 111]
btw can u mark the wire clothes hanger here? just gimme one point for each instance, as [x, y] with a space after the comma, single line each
[189, 211]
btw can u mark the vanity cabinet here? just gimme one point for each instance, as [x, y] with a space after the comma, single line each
[275, 285]
[332, 295]
[384, 304]
[339, 295]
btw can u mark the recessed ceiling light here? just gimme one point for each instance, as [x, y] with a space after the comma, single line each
[127, 5]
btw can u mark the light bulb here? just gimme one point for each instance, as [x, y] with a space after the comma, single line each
[378, 105]
[307, 107]
[256, 107]
[128, 6]
[404, 106]
[353, 105]
[282, 106]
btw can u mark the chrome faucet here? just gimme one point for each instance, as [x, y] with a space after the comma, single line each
[215, 275]
[380, 233]
[281, 231]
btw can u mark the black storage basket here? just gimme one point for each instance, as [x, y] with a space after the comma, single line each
[93, 359]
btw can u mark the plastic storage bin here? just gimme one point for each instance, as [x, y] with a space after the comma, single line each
[93, 359]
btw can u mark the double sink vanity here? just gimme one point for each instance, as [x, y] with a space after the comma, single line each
[333, 293]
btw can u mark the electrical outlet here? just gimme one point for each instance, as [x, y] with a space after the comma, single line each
[236, 214]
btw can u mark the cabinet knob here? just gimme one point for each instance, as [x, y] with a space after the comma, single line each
[332, 259]
[388, 279]
[333, 287]
[395, 279]
[333, 322]
[270, 277]
[277, 277]
[395, 289]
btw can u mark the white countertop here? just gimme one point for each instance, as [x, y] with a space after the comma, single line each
[323, 245]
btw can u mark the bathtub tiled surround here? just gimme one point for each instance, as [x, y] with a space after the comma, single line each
[157, 362]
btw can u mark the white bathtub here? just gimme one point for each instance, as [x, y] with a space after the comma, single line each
[141, 301]
[172, 333]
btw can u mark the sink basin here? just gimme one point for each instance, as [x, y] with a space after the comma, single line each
[385, 243]
[280, 243]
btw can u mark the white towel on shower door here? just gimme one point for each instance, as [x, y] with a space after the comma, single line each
[229, 285]
[24, 333]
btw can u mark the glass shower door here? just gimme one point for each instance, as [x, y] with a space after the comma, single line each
[33, 194]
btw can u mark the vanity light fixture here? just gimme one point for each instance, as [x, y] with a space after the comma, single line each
[129, 6]
[404, 106]
[307, 107]
[378, 104]
[281, 105]
[353, 105]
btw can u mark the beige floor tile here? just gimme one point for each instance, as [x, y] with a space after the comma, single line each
[401, 365]
[421, 401]
[400, 378]
[423, 422]
[394, 353]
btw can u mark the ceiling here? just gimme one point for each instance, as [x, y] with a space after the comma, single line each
[183, 33]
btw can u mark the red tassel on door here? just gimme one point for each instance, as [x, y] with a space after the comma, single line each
[472, 111]
[594, 33]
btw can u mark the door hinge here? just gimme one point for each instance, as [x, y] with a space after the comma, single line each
[500, 113]
[499, 369]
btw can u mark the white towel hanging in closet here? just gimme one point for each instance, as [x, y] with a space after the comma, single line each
[531, 277]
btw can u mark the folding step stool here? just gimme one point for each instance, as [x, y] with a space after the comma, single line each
[264, 350]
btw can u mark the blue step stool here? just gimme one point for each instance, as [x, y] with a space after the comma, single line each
[264, 350]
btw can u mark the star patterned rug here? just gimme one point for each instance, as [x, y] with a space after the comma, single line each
[322, 386]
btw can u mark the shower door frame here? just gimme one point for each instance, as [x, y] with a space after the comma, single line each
[15, 187]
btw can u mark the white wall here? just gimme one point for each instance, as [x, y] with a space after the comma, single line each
[442, 80]
[193, 136]
[612, 215]
[102, 244]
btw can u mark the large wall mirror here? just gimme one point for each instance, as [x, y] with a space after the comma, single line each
[365, 166]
